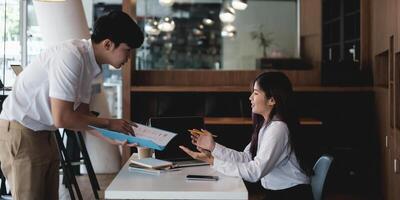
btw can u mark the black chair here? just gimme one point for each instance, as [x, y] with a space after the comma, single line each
[85, 158]
[68, 174]
[3, 190]
[3, 183]
[69, 159]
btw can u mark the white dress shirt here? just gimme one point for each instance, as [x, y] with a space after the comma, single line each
[273, 164]
[64, 72]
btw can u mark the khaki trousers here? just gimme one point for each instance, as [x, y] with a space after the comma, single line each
[29, 161]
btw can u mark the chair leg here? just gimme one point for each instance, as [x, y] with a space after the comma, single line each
[72, 149]
[67, 169]
[66, 178]
[88, 164]
[3, 183]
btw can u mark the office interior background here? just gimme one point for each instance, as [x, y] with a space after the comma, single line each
[200, 56]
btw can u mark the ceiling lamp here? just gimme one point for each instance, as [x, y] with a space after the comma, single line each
[50, 0]
[227, 15]
[151, 27]
[197, 32]
[207, 21]
[239, 4]
[166, 2]
[229, 28]
[228, 31]
[228, 34]
[166, 24]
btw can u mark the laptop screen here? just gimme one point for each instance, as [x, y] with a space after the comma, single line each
[180, 126]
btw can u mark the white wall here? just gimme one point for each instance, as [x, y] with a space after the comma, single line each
[278, 17]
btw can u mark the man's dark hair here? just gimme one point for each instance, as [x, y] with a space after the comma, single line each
[118, 27]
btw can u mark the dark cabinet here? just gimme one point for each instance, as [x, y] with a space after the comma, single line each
[341, 43]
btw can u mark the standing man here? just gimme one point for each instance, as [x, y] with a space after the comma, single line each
[54, 92]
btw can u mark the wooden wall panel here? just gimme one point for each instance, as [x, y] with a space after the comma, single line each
[365, 34]
[397, 11]
[382, 107]
[310, 20]
[379, 26]
[311, 41]
[214, 78]
[129, 7]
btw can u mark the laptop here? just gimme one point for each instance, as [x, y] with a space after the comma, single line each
[180, 126]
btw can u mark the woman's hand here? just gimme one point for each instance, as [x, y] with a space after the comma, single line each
[204, 140]
[202, 155]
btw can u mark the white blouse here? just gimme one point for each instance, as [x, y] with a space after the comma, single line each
[274, 164]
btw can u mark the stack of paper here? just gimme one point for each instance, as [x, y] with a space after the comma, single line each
[150, 166]
[152, 163]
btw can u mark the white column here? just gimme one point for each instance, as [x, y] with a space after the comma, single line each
[59, 21]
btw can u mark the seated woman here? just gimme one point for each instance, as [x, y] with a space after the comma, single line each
[275, 154]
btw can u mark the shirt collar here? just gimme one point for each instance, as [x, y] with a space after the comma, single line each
[95, 69]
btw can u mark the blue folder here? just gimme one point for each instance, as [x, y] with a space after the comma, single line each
[131, 139]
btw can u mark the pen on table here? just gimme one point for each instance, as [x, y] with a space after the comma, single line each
[199, 132]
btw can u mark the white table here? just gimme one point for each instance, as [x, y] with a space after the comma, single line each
[173, 185]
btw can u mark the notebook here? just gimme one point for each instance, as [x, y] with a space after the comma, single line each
[152, 163]
[180, 126]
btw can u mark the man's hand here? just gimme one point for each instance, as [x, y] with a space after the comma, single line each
[123, 143]
[202, 155]
[111, 141]
[121, 125]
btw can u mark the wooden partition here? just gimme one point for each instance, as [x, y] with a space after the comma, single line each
[385, 37]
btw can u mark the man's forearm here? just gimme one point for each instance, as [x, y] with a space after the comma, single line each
[80, 121]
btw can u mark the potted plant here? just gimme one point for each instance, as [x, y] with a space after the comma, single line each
[276, 60]
[264, 40]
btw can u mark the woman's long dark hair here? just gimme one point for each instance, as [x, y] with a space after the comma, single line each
[278, 86]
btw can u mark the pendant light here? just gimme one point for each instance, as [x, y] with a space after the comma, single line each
[167, 3]
[166, 24]
[227, 14]
[151, 27]
[239, 4]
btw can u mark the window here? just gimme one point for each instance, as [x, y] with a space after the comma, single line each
[10, 47]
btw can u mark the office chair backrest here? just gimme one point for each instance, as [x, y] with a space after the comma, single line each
[321, 169]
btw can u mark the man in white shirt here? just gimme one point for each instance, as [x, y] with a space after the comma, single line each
[53, 92]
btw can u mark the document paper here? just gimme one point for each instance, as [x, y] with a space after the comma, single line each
[144, 136]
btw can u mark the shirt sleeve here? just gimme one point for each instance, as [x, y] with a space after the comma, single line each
[231, 155]
[64, 75]
[272, 150]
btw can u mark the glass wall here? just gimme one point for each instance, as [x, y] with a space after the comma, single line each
[34, 40]
[10, 44]
[14, 15]
[216, 34]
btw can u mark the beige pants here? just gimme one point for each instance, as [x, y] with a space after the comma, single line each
[29, 161]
